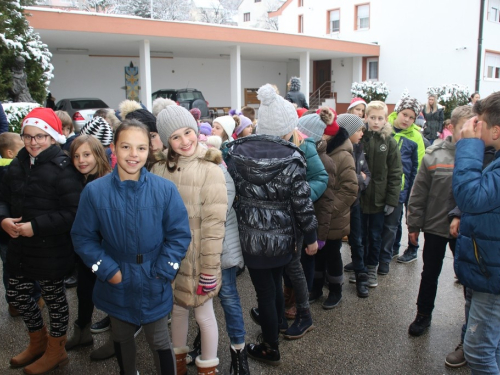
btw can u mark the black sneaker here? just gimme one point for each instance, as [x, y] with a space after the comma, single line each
[264, 353]
[333, 300]
[383, 268]
[70, 282]
[408, 256]
[420, 325]
[101, 326]
[349, 267]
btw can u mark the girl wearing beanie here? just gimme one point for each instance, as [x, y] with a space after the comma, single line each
[201, 183]
[132, 230]
[224, 127]
[329, 260]
[38, 201]
[270, 178]
[244, 127]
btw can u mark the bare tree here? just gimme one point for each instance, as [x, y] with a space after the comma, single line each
[217, 14]
[264, 22]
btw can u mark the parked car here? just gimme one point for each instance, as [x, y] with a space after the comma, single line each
[81, 110]
[187, 98]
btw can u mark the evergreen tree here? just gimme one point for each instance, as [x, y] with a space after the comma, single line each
[17, 38]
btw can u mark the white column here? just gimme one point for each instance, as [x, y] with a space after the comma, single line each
[305, 74]
[145, 74]
[235, 66]
[357, 69]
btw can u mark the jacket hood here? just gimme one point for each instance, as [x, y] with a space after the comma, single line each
[339, 140]
[385, 132]
[260, 158]
[295, 84]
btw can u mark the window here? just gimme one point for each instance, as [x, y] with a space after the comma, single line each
[301, 24]
[363, 17]
[246, 17]
[492, 65]
[300, 3]
[333, 21]
[494, 11]
[372, 69]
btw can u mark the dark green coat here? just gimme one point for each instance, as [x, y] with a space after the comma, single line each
[384, 161]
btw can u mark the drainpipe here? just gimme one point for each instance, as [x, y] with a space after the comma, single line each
[479, 46]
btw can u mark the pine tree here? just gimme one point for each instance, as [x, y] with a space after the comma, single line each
[17, 38]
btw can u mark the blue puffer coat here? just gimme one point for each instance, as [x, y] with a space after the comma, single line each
[140, 228]
[477, 255]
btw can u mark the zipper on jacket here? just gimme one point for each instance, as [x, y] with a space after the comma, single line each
[479, 258]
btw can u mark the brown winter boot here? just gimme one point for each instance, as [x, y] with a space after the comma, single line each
[180, 359]
[290, 310]
[54, 357]
[35, 349]
[208, 367]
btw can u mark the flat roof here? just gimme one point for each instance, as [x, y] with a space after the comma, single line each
[118, 35]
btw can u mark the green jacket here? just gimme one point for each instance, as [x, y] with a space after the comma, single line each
[384, 161]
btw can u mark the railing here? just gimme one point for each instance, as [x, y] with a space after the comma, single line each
[323, 92]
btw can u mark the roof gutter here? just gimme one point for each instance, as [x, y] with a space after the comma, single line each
[480, 46]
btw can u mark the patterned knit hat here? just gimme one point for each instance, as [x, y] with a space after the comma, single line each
[312, 125]
[349, 122]
[145, 117]
[277, 116]
[355, 102]
[173, 118]
[99, 128]
[409, 103]
[45, 119]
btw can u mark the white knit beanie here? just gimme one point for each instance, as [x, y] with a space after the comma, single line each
[172, 118]
[277, 116]
[228, 124]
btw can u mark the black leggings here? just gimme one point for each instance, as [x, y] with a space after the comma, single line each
[54, 295]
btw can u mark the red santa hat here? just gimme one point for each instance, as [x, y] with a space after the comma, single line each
[46, 120]
[355, 102]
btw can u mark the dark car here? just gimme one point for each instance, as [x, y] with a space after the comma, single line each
[187, 98]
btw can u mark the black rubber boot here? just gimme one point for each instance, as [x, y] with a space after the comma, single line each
[362, 285]
[239, 362]
[264, 352]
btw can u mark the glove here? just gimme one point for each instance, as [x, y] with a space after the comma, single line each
[321, 244]
[207, 284]
[388, 210]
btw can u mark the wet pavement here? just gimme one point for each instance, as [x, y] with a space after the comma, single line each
[360, 336]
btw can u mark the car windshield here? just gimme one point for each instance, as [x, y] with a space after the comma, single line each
[88, 104]
[165, 94]
[189, 95]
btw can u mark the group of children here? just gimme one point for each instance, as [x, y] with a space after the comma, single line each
[162, 218]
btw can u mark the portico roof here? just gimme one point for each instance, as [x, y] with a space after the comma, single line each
[104, 34]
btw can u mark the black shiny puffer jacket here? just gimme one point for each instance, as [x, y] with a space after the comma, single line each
[272, 202]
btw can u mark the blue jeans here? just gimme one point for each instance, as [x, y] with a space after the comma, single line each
[356, 240]
[372, 228]
[37, 292]
[230, 301]
[468, 298]
[399, 234]
[392, 223]
[482, 340]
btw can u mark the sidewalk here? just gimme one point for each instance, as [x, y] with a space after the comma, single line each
[360, 336]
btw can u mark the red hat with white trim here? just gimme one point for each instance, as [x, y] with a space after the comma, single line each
[355, 102]
[46, 120]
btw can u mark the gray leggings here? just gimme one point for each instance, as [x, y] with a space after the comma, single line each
[158, 338]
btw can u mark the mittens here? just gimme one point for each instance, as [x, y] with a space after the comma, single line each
[207, 284]
[321, 244]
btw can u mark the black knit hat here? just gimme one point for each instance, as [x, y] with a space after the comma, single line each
[145, 117]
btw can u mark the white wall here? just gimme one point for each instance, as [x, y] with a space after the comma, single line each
[104, 77]
[491, 41]
[418, 40]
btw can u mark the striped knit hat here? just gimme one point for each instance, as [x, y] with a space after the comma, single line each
[99, 128]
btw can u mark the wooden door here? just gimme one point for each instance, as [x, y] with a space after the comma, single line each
[322, 73]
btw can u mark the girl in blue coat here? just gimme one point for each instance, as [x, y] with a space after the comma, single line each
[132, 230]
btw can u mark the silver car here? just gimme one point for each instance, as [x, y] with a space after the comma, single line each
[81, 110]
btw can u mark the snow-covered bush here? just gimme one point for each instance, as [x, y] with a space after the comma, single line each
[369, 90]
[16, 112]
[450, 96]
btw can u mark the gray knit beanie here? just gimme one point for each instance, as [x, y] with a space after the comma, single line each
[277, 116]
[351, 123]
[172, 118]
[312, 125]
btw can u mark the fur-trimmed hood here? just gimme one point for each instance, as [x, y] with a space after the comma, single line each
[386, 130]
[337, 141]
[211, 154]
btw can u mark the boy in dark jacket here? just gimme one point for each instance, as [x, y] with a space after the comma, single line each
[354, 126]
[430, 202]
[477, 255]
[381, 197]
[38, 202]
